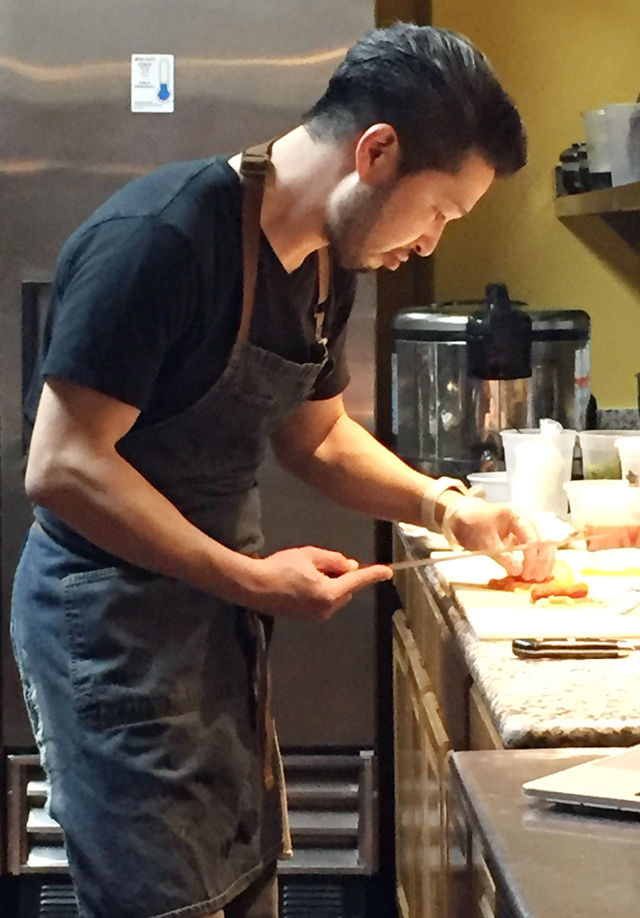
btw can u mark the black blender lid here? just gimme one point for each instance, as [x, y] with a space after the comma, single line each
[499, 338]
[448, 322]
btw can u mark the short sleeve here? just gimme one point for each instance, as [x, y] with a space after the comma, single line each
[122, 299]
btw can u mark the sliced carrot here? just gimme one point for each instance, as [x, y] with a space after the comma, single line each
[559, 588]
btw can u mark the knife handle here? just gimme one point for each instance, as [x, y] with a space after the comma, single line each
[570, 648]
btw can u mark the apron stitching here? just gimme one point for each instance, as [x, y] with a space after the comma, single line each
[237, 887]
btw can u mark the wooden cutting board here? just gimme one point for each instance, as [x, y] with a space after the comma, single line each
[499, 615]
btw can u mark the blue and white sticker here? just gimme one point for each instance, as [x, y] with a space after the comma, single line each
[152, 88]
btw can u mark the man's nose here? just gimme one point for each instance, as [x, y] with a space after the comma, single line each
[428, 241]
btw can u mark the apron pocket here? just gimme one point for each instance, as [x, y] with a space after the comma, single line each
[134, 640]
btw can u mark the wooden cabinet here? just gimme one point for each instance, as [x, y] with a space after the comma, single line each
[436, 709]
[432, 855]
[482, 733]
[421, 747]
[479, 894]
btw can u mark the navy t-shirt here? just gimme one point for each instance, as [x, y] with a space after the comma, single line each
[147, 296]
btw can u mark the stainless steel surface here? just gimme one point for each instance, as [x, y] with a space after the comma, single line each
[243, 73]
[324, 676]
[447, 422]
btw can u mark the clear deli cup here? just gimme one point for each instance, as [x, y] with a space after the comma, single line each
[600, 456]
[607, 512]
[622, 131]
[629, 450]
[539, 462]
[597, 135]
[494, 484]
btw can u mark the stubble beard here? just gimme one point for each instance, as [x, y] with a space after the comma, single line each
[352, 221]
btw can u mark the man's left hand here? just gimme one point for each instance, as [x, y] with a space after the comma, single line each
[500, 528]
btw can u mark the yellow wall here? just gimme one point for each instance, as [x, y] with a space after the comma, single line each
[556, 58]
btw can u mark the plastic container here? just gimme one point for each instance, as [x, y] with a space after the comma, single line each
[629, 450]
[600, 457]
[595, 126]
[538, 465]
[607, 512]
[621, 130]
[494, 484]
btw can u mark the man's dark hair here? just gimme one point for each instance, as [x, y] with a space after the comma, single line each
[435, 88]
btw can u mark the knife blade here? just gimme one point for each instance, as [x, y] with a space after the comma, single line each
[482, 552]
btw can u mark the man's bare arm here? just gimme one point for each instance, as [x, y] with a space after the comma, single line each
[326, 448]
[322, 445]
[75, 471]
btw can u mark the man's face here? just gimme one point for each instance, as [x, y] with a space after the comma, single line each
[375, 225]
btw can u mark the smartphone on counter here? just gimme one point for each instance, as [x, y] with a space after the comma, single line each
[571, 648]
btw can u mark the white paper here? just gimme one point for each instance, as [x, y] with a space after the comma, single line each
[152, 84]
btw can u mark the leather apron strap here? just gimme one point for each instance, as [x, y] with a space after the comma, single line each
[254, 168]
[324, 283]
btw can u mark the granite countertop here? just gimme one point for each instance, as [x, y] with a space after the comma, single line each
[539, 702]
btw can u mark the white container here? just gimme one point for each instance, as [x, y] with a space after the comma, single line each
[494, 484]
[608, 512]
[600, 457]
[589, 500]
[629, 449]
[538, 465]
[597, 136]
[623, 129]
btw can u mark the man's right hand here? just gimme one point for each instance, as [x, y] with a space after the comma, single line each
[76, 472]
[309, 582]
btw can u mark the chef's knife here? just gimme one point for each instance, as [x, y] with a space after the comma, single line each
[570, 648]
[483, 552]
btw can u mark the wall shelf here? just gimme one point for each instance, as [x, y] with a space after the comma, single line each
[619, 207]
[622, 199]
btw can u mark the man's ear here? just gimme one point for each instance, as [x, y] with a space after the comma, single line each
[377, 154]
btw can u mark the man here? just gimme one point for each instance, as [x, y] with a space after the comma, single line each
[196, 314]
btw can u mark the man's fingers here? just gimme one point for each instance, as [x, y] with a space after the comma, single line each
[501, 528]
[332, 563]
[364, 576]
[534, 563]
[538, 562]
[510, 562]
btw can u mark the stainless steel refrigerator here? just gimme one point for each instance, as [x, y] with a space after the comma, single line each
[201, 78]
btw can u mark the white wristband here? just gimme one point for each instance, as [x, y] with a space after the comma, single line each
[430, 498]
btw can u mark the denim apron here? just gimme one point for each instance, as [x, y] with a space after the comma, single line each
[149, 698]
